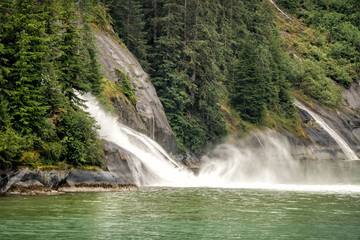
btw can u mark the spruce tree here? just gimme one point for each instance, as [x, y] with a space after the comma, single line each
[70, 61]
[44, 55]
[91, 68]
[129, 23]
[6, 37]
[167, 75]
[248, 85]
[30, 59]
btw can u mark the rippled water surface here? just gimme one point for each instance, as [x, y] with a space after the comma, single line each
[184, 213]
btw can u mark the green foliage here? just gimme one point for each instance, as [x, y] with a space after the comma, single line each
[12, 146]
[77, 133]
[198, 51]
[290, 5]
[128, 21]
[26, 65]
[257, 82]
[46, 53]
[248, 86]
[337, 22]
[124, 81]
[183, 60]
[95, 11]
[69, 61]
[310, 79]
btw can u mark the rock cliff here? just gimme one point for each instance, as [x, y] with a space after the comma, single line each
[147, 116]
[345, 121]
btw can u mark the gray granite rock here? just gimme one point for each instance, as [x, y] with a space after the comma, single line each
[148, 115]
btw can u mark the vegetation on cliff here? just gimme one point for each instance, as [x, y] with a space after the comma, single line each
[325, 35]
[217, 66]
[46, 55]
[203, 54]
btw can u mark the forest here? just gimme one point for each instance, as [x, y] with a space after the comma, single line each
[208, 59]
[47, 53]
[219, 67]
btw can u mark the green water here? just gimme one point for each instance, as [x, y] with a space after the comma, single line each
[183, 213]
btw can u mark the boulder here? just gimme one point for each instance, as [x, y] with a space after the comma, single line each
[89, 176]
[116, 176]
[116, 161]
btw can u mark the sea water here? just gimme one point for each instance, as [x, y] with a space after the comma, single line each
[184, 213]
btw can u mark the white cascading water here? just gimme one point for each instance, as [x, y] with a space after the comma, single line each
[350, 154]
[279, 9]
[235, 164]
[152, 156]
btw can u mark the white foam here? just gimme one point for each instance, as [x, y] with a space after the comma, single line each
[235, 164]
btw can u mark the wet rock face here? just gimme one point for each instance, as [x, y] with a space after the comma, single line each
[320, 145]
[116, 161]
[305, 116]
[88, 176]
[351, 96]
[148, 115]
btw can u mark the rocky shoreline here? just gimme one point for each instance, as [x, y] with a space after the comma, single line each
[37, 188]
[115, 176]
[54, 182]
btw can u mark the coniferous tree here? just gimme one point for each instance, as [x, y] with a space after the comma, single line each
[44, 53]
[91, 68]
[168, 78]
[30, 59]
[6, 36]
[129, 23]
[196, 53]
[70, 60]
[248, 85]
[204, 59]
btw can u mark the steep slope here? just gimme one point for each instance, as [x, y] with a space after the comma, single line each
[319, 144]
[303, 42]
[245, 65]
[147, 115]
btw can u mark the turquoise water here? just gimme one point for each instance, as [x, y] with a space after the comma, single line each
[183, 213]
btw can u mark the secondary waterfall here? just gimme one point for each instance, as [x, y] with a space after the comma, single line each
[260, 161]
[279, 9]
[350, 154]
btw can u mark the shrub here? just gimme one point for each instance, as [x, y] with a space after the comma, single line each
[78, 134]
[124, 81]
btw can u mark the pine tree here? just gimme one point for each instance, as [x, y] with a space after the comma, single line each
[91, 68]
[6, 37]
[248, 85]
[30, 59]
[70, 61]
[129, 23]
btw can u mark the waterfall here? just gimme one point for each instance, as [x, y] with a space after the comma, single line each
[279, 9]
[263, 160]
[230, 164]
[152, 166]
[350, 154]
